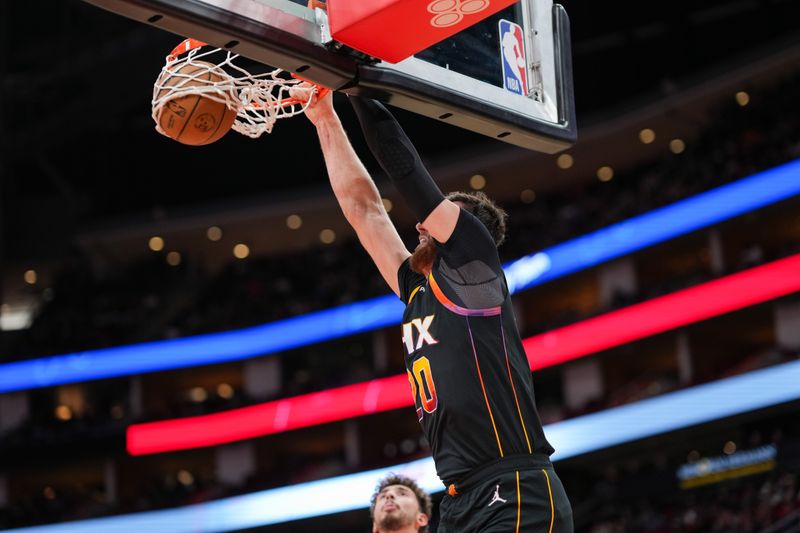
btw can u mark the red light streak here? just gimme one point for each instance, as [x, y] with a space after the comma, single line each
[639, 321]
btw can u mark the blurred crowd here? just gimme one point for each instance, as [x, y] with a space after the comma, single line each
[638, 494]
[85, 309]
[657, 382]
[742, 508]
[648, 500]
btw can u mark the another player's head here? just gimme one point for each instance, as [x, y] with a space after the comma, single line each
[482, 207]
[399, 505]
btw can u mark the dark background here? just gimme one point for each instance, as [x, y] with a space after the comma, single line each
[78, 152]
[78, 144]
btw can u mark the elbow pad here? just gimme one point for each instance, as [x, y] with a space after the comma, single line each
[398, 157]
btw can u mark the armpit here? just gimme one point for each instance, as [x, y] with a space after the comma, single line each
[475, 283]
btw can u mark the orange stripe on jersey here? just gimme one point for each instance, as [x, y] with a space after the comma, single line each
[513, 389]
[457, 309]
[519, 502]
[483, 387]
[414, 293]
[550, 492]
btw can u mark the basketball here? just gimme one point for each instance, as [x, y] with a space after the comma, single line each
[194, 119]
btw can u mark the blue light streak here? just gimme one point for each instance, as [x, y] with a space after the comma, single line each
[201, 350]
[694, 213]
[578, 436]
[697, 212]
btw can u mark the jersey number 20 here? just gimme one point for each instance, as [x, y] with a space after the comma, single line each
[421, 381]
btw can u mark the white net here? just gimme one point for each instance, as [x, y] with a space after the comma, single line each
[258, 99]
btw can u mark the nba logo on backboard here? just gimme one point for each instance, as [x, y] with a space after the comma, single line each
[512, 56]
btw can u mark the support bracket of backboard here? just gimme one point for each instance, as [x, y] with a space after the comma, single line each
[288, 35]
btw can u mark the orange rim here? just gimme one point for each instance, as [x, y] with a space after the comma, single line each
[185, 46]
[321, 92]
[190, 44]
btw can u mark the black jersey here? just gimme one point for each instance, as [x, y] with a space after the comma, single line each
[466, 365]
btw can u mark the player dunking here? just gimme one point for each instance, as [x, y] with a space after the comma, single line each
[468, 371]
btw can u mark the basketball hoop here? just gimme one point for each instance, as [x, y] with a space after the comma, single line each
[258, 99]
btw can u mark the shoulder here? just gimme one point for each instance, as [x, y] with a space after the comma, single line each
[470, 242]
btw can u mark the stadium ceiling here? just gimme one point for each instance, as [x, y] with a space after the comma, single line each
[77, 144]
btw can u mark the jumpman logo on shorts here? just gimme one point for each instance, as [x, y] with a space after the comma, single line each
[496, 498]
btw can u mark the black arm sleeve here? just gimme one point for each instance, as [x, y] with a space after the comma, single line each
[398, 157]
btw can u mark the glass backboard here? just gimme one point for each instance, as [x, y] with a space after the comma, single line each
[465, 80]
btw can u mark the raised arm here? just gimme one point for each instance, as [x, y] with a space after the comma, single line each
[356, 193]
[402, 163]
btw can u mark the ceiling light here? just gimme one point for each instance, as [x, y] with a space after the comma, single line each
[294, 221]
[647, 136]
[214, 233]
[742, 98]
[156, 244]
[565, 161]
[605, 173]
[185, 478]
[327, 236]
[527, 196]
[63, 413]
[174, 258]
[477, 182]
[241, 251]
[198, 394]
[30, 277]
[225, 391]
[677, 146]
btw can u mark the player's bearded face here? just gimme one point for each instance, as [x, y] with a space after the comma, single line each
[395, 520]
[424, 253]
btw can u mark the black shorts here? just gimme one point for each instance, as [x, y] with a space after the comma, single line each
[508, 498]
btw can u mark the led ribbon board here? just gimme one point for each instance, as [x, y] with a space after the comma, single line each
[578, 436]
[661, 314]
[682, 217]
[724, 467]
[714, 298]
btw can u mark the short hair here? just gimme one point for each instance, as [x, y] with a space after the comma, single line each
[424, 500]
[489, 213]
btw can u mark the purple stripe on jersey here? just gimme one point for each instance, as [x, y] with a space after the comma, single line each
[457, 309]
